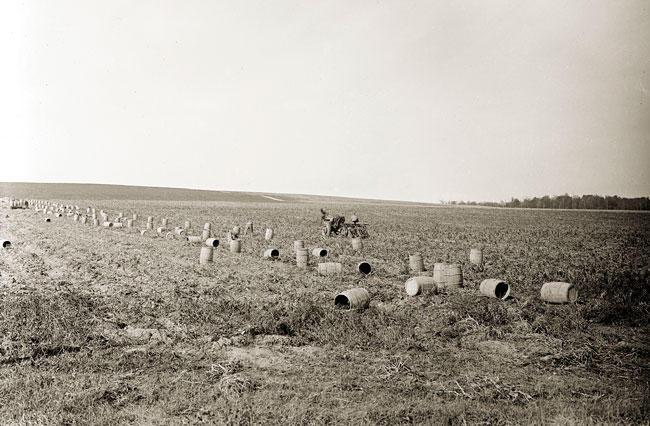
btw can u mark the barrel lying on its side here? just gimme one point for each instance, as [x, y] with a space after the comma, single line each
[559, 292]
[272, 253]
[329, 268]
[356, 298]
[418, 285]
[495, 288]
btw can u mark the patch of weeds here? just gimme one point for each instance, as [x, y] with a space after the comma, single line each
[36, 325]
[290, 319]
[622, 297]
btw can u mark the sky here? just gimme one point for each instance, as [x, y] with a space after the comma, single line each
[407, 100]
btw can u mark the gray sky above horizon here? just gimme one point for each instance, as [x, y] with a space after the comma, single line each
[411, 100]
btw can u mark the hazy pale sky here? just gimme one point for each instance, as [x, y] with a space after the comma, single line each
[413, 100]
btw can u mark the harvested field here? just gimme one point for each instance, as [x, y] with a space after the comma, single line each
[105, 325]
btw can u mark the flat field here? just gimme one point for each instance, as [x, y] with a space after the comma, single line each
[106, 326]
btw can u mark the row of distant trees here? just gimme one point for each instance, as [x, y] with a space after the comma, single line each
[566, 201]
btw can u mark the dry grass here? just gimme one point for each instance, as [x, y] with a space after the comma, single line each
[104, 326]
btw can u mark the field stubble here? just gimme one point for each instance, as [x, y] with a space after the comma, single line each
[100, 326]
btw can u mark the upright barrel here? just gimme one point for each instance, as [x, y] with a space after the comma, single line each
[164, 222]
[357, 244]
[476, 256]
[559, 292]
[235, 246]
[269, 234]
[302, 257]
[416, 264]
[129, 223]
[439, 275]
[206, 256]
[453, 276]
[298, 244]
[188, 225]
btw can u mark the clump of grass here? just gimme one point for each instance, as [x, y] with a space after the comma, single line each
[36, 325]
[622, 297]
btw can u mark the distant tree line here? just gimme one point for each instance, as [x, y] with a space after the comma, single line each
[608, 202]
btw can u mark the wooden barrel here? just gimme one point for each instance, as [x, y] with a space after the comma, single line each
[329, 268]
[149, 219]
[439, 275]
[161, 229]
[419, 285]
[269, 234]
[118, 224]
[298, 244]
[476, 256]
[302, 257]
[206, 234]
[135, 216]
[188, 225]
[143, 232]
[56, 215]
[207, 226]
[95, 222]
[108, 224]
[559, 292]
[5, 243]
[416, 264]
[120, 215]
[235, 231]
[76, 218]
[129, 223]
[207, 255]
[356, 298]
[149, 225]
[235, 246]
[164, 222]
[178, 230]
[364, 268]
[272, 253]
[453, 276]
[194, 239]
[212, 242]
[319, 252]
[495, 288]
[357, 244]
[169, 236]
